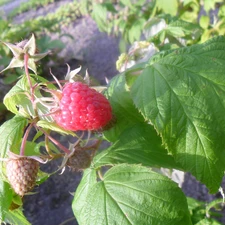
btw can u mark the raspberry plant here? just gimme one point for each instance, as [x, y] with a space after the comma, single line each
[169, 113]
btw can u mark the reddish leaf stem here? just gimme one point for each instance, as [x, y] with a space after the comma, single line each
[23, 144]
[66, 150]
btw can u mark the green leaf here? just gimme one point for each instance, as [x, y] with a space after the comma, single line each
[80, 198]
[132, 73]
[194, 204]
[182, 93]
[131, 194]
[5, 198]
[204, 22]
[138, 144]
[136, 30]
[110, 7]
[208, 221]
[221, 12]
[42, 177]
[29, 148]
[99, 14]
[16, 217]
[210, 4]
[154, 26]
[190, 10]
[11, 133]
[45, 43]
[51, 146]
[166, 6]
[17, 101]
[17, 97]
[123, 108]
[10, 79]
[197, 210]
[54, 127]
[180, 28]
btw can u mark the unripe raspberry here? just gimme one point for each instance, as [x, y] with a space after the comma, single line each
[22, 173]
[82, 108]
[79, 160]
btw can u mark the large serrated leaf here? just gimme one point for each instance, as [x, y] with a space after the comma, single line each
[131, 194]
[5, 198]
[88, 180]
[123, 108]
[182, 93]
[138, 144]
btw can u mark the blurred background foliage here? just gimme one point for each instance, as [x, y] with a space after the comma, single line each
[162, 24]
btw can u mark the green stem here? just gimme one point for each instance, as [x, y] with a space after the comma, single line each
[213, 204]
[26, 58]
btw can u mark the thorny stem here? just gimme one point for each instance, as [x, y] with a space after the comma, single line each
[66, 150]
[22, 148]
[26, 58]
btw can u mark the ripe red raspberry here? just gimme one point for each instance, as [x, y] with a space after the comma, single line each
[82, 108]
[22, 173]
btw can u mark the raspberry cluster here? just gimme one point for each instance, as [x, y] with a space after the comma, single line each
[82, 108]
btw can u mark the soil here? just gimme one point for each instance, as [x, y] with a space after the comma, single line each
[51, 205]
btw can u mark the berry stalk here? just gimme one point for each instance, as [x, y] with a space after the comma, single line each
[66, 150]
[23, 144]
